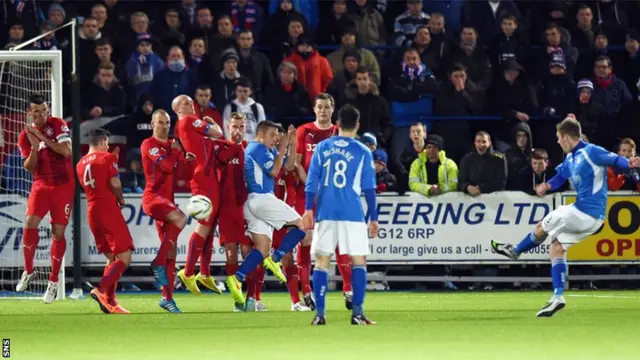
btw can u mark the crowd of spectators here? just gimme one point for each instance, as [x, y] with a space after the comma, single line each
[454, 95]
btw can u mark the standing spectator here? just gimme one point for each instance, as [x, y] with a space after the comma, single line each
[24, 12]
[450, 10]
[314, 71]
[224, 85]
[247, 15]
[628, 179]
[338, 86]
[471, 54]
[432, 173]
[369, 23]
[143, 65]
[188, 13]
[557, 41]
[100, 13]
[334, 25]
[609, 91]
[557, 91]
[104, 55]
[87, 36]
[402, 164]
[128, 40]
[509, 44]
[439, 37]
[277, 26]
[385, 180]
[172, 81]
[591, 115]
[308, 8]
[286, 48]
[349, 40]
[628, 64]
[171, 31]
[483, 171]
[430, 52]
[199, 61]
[223, 40]
[519, 155]
[583, 33]
[288, 100]
[408, 22]
[363, 94]
[536, 172]
[486, 16]
[254, 64]
[612, 17]
[203, 27]
[457, 97]
[584, 69]
[244, 103]
[204, 106]
[105, 97]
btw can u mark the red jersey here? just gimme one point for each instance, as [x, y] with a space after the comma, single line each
[159, 162]
[308, 136]
[52, 168]
[95, 171]
[230, 157]
[193, 133]
[285, 186]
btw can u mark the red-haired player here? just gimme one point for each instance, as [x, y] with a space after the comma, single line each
[45, 145]
[159, 159]
[308, 137]
[98, 174]
[196, 136]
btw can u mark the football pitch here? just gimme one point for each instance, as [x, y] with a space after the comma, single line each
[481, 325]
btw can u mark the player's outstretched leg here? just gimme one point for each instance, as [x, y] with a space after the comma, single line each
[359, 290]
[559, 277]
[531, 241]
[204, 277]
[344, 266]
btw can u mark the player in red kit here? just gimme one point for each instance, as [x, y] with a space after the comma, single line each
[98, 174]
[159, 159]
[197, 137]
[45, 145]
[309, 136]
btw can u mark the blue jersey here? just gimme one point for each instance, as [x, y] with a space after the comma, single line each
[585, 167]
[340, 169]
[258, 163]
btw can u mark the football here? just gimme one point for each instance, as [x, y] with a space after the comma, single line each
[199, 207]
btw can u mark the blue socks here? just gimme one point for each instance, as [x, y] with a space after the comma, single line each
[529, 242]
[359, 281]
[320, 284]
[249, 264]
[558, 275]
[290, 240]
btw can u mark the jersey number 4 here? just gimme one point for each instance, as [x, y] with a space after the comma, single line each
[87, 179]
[339, 169]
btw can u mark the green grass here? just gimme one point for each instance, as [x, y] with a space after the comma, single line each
[483, 325]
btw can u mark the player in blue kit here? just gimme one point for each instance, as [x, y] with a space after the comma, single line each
[263, 211]
[340, 170]
[585, 167]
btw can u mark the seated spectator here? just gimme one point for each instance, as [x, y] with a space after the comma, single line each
[171, 30]
[486, 16]
[349, 41]
[174, 80]
[408, 22]
[609, 91]
[224, 88]
[253, 64]
[483, 171]
[511, 43]
[88, 35]
[143, 65]
[277, 26]
[439, 37]
[133, 180]
[352, 61]
[334, 25]
[385, 181]
[628, 63]
[519, 155]
[49, 41]
[108, 28]
[223, 40]
[56, 14]
[288, 98]
[314, 71]
[105, 97]
[128, 39]
[432, 173]
[470, 53]
[401, 165]
[557, 40]
[591, 115]
[430, 52]
[628, 179]
[244, 104]
[363, 94]
[203, 105]
[141, 125]
[247, 15]
[369, 22]
[535, 172]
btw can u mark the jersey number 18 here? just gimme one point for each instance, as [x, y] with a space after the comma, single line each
[339, 177]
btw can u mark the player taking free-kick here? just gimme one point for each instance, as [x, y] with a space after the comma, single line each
[341, 168]
[585, 165]
[98, 174]
[196, 136]
[308, 137]
[45, 145]
[159, 158]
[263, 211]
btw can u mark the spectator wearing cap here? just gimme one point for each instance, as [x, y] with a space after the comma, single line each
[363, 93]
[486, 16]
[171, 30]
[628, 63]
[584, 68]
[608, 90]
[432, 173]
[287, 99]
[556, 40]
[484, 170]
[314, 71]
[105, 97]
[245, 104]
[276, 30]
[369, 22]
[56, 14]
[510, 43]
[591, 115]
[408, 22]
[223, 40]
[352, 61]
[247, 15]
[558, 89]
[143, 65]
[385, 181]
[223, 85]
[253, 64]
[349, 41]
[16, 33]
[334, 24]
[470, 52]
[176, 79]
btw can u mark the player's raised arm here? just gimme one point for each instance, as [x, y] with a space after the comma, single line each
[291, 155]
[39, 114]
[603, 157]
[28, 145]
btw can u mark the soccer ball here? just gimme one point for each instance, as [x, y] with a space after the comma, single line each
[199, 207]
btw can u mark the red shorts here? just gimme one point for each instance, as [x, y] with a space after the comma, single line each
[278, 235]
[56, 200]
[232, 227]
[109, 229]
[158, 207]
[213, 195]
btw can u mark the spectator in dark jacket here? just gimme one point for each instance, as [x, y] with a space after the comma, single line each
[141, 124]
[333, 25]
[584, 68]
[253, 64]
[591, 115]
[286, 47]
[401, 164]
[558, 89]
[288, 98]
[224, 85]
[536, 172]
[247, 15]
[430, 52]
[104, 55]
[363, 93]
[128, 38]
[175, 80]
[556, 41]
[470, 53]
[203, 27]
[199, 61]
[628, 120]
[171, 31]
[511, 43]
[609, 91]
[277, 26]
[408, 22]
[385, 181]
[519, 155]
[223, 40]
[628, 63]
[143, 65]
[105, 96]
[612, 17]
[583, 33]
[351, 62]
[349, 41]
[484, 170]
[485, 16]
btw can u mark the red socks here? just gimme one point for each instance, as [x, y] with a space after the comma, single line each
[344, 266]
[112, 274]
[304, 268]
[29, 246]
[193, 253]
[171, 233]
[110, 292]
[231, 268]
[205, 258]
[58, 247]
[167, 291]
[293, 281]
[250, 280]
[259, 282]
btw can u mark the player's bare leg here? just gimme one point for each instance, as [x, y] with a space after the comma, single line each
[304, 269]
[359, 289]
[344, 266]
[112, 274]
[29, 247]
[174, 224]
[167, 301]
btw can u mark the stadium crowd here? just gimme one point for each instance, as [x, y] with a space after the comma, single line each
[454, 95]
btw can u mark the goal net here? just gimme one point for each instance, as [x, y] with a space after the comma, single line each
[23, 73]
